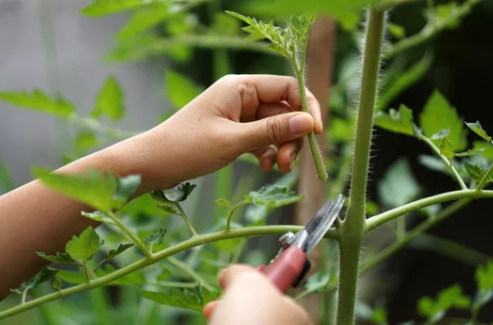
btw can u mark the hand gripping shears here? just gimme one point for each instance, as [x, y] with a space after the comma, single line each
[291, 264]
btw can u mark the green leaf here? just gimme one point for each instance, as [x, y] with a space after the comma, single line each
[98, 216]
[177, 194]
[451, 297]
[179, 89]
[447, 148]
[83, 248]
[225, 25]
[92, 188]
[106, 7]
[273, 196]
[63, 258]
[398, 186]
[470, 152]
[484, 280]
[445, 14]
[115, 252]
[57, 284]
[396, 121]
[379, 316]
[318, 281]
[126, 186]
[168, 208]
[478, 129]
[441, 134]
[145, 18]
[86, 140]
[485, 147]
[156, 238]
[6, 181]
[42, 276]
[40, 101]
[109, 100]
[438, 115]
[477, 173]
[189, 298]
[396, 30]
[340, 130]
[223, 202]
[131, 279]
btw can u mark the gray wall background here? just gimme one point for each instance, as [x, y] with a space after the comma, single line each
[27, 61]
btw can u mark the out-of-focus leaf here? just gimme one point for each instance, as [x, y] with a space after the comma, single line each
[6, 181]
[440, 135]
[225, 25]
[63, 258]
[223, 202]
[478, 129]
[126, 186]
[107, 7]
[82, 248]
[438, 115]
[40, 101]
[476, 172]
[180, 90]
[470, 152]
[484, 280]
[452, 297]
[318, 281]
[176, 194]
[404, 80]
[486, 149]
[396, 30]
[273, 196]
[134, 278]
[93, 188]
[189, 298]
[379, 316]
[442, 13]
[42, 276]
[110, 100]
[396, 121]
[86, 140]
[168, 208]
[156, 238]
[447, 148]
[340, 131]
[57, 284]
[98, 216]
[145, 18]
[398, 186]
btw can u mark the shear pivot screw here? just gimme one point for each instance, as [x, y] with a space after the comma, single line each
[287, 239]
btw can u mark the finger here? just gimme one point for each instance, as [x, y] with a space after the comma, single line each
[209, 309]
[287, 154]
[275, 89]
[274, 130]
[297, 314]
[266, 157]
[232, 273]
[268, 109]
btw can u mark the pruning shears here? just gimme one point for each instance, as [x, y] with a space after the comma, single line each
[291, 264]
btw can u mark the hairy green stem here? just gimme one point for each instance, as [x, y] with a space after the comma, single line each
[156, 257]
[382, 218]
[354, 227]
[447, 162]
[130, 234]
[191, 273]
[24, 296]
[485, 179]
[317, 156]
[185, 217]
[231, 213]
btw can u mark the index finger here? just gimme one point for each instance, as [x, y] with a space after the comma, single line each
[274, 89]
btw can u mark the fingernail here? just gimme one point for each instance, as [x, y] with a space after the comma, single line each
[301, 123]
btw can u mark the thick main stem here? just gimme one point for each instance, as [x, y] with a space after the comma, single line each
[353, 227]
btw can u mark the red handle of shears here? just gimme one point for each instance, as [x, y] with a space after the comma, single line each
[286, 268]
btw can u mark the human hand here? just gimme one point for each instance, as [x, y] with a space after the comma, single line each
[236, 115]
[250, 298]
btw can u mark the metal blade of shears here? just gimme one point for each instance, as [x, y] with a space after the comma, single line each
[321, 223]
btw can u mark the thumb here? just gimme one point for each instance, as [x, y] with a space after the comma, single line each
[276, 129]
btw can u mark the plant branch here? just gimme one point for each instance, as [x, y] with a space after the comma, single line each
[24, 296]
[485, 179]
[430, 30]
[422, 227]
[312, 139]
[353, 226]
[130, 234]
[142, 263]
[445, 160]
[191, 273]
[233, 210]
[185, 217]
[382, 218]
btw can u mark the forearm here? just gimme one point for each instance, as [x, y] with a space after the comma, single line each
[34, 218]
